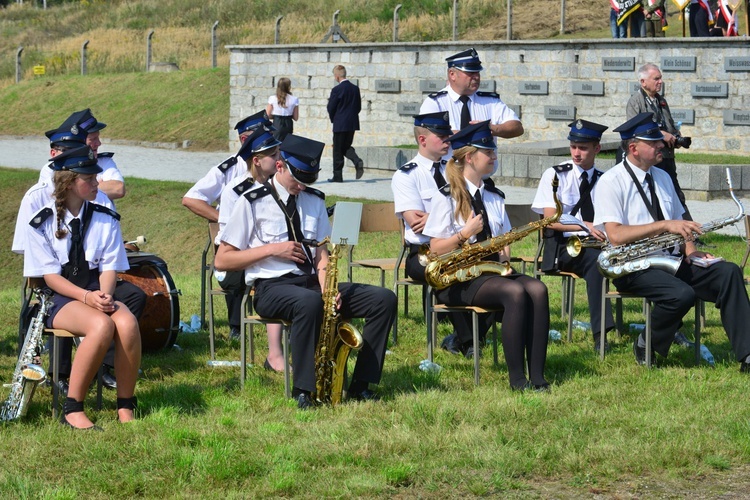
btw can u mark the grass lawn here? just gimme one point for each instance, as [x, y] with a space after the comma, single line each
[607, 429]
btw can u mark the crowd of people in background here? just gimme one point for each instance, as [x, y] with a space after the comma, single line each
[648, 18]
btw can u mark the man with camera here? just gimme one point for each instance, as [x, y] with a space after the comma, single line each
[648, 99]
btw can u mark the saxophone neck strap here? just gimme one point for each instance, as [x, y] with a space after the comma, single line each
[649, 206]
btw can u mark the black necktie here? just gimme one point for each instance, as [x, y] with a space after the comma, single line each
[587, 207]
[654, 198]
[465, 114]
[439, 180]
[294, 228]
[78, 267]
[478, 206]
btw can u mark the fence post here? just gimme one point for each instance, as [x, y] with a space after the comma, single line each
[18, 64]
[395, 23]
[83, 57]
[148, 50]
[510, 20]
[277, 31]
[455, 20]
[213, 44]
[562, 17]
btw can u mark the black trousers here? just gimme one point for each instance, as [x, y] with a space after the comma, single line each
[698, 21]
[673, 296]
[342, 147]
[585, 266]
[234, 285]
[299, 300]
[127, 293]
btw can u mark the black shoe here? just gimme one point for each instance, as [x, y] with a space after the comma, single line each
[92, 428]
[640, 353]
[366, 395]
[62, 385]
[234, 333]
[360, 168]
[335, 179]
[523, 388]
[108, 380]
[304, 401]
[451, 344]
[597, 346]
[545, 387]
[744, 367]
[469, 353]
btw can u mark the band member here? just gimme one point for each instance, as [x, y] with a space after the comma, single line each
[77, 247]
[578, 179]
[200, 198]
[636, 201]
[468, 209]
[265, 236]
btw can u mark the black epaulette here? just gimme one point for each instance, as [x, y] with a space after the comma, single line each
[435, 95]
[319, 194]
[563, 167]
[408, 166]
[256, 194]
[446, 190]
[226, 164]
[493, 189]
[40, 217]
[489, 94]
[243, 186]
[104, 210]
[330, 210]
[104, 155]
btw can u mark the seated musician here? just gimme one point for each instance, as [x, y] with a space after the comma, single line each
[469, 209]
[264, 236]
[636, 201]
[578, 179]
[414, 185]
[77, 247]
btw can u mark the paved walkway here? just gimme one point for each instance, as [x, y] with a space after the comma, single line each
[181, 165]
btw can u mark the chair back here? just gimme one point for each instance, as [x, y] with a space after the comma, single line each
[747, 241]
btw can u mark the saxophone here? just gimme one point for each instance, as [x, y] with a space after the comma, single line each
[27, 375]
[617, 261]
[465, 263]
[337, 338]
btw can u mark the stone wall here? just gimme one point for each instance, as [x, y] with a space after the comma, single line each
[548, 82]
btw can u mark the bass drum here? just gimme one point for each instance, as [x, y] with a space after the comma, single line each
[160, 321]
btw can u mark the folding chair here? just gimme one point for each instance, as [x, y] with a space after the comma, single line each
[403, 281]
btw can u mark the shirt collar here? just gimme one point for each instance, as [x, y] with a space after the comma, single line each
[454, 95]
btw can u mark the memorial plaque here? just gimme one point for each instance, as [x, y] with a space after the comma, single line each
[684, 63]
[736, 117]
[635, 86]
[618, 63]
[408, 108]
[487, 86]
[587, 88]
[709, 89]
[533, 88]
[686, 116]
[429, 86]
[737, 64]
[387, 85]
[560, 112]
[516, 108]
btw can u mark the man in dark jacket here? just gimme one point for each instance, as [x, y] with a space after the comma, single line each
[344, 105]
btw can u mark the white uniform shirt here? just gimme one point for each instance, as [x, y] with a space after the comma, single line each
[413, 189]
[102, 244]
[291, 103]
[618, 199]
[36, 198]
[442, 222]
[227, 201]
[109, 172]
[261, 222]
[210, 186]
[568, 192]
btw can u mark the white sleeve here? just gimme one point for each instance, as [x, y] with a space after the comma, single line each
[440, 221]
[543, 198]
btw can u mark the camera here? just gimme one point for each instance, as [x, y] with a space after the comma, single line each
[683, 142]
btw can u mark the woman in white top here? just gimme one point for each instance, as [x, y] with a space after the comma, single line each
[470, 209]
[284, 108]
[77, 247]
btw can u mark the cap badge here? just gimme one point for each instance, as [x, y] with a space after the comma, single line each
[314, 163]
[74, 129]
[91, 155]
[446, 117]
[579, 124]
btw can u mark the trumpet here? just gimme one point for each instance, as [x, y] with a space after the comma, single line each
[575, 244]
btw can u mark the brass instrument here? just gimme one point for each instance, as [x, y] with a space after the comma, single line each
[617, 261]
[27, 375]
[465, 263]
[337, 338]
[576, 244]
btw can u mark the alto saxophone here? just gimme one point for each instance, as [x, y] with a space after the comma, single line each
[27, 375]
[617, 261]
[465, 263]
[337, 338]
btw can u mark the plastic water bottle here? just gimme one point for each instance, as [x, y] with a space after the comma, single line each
[554, 335]
[428, 366]
[581, 325]
[223, 363]
[195, 322]
[707, 356]
[637, 327]
[681, 340]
